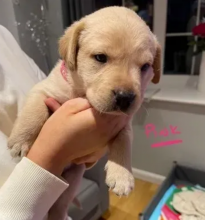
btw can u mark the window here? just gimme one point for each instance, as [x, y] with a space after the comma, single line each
[182, 16]
[172, 21]
[144, 8]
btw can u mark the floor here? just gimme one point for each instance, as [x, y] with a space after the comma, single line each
[129, 208]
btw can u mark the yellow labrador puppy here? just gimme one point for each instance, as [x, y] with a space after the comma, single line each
[108, 57]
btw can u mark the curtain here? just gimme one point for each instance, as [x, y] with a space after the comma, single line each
[79, 8]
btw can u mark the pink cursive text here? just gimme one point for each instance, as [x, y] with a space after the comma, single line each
[150, 129]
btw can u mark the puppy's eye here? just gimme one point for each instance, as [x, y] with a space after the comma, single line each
[145, 67]
[102, 58]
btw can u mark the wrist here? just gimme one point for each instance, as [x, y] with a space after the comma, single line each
[47, 161]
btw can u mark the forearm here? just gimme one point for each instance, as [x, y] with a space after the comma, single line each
[29, 192]
[51, 160]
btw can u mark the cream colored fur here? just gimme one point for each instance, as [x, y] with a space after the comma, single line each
[129, 44]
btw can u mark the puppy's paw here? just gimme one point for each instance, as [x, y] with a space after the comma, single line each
[18, 148]
[119, 179]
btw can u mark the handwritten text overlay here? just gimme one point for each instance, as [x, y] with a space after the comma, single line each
[150, 129]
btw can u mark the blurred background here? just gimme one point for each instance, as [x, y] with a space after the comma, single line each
[37, 26]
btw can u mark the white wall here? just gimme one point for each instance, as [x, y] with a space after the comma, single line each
[190, 121]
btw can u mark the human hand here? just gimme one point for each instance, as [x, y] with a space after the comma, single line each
[74, 131]
[53, 105]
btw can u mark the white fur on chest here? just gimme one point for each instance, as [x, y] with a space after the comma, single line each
[55, 86]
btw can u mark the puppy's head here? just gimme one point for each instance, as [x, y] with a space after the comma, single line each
[114, 55]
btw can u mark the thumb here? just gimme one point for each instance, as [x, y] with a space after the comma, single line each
[52, 104]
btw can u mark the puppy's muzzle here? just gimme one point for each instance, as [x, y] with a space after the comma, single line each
[123, 99]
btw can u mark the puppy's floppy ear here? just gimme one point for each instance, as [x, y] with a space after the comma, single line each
[68, 44]
[157, 64]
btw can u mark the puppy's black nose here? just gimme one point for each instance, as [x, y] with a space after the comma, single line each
[123, 99]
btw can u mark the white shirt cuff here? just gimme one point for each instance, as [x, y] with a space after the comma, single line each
[29, 192]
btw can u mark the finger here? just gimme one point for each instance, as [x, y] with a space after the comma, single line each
[113, 124]
[76, 105]
[52, 104]
[91, 158]
[108, 125]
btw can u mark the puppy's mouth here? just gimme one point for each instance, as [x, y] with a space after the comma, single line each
[121, 102]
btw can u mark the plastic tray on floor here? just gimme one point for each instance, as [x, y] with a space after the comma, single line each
[179, 175]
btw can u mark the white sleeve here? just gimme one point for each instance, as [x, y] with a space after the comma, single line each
[19, 59]
[29, 192]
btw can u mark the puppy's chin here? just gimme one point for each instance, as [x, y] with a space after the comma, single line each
[106, 108]
[98, 101]
[106, 105]
[101, 106]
